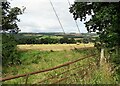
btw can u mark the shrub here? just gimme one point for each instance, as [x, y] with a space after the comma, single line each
[9, 50]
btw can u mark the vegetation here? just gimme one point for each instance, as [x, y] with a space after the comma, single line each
[105, 18]
[9, 17]
[32, 38]
[32, 60]
[42, 51]
[9, 24]
[9, 50]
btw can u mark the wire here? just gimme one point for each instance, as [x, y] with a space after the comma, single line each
[78, 28]
[57, 16]
[69, 2]
[75, 20]
[59, 20]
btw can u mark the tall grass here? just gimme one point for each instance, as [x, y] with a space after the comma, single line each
[39, 60]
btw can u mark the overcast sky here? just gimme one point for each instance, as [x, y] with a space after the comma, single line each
[40, 17]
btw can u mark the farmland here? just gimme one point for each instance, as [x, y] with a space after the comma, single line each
[40, 57]
[54, 47]
[39, 60]
[48, 56]
[54, 38]
[35, 57]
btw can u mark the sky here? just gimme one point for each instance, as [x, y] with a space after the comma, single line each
[40, 17]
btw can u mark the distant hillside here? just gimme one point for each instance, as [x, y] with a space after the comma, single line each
[69, 35]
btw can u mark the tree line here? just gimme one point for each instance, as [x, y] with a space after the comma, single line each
[49, 40]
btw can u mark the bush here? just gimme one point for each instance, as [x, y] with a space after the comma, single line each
[85, 40]
[9, 50]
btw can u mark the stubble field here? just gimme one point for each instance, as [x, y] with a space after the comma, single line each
[54, 47]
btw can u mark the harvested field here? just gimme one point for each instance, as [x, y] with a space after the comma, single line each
[54, 47]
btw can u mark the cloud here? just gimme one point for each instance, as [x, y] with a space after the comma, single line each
[40, 17]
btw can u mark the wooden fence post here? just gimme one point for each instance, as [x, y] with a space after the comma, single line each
[102, 57]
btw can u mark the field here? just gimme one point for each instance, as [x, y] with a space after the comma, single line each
[40, 57]
[54, 47]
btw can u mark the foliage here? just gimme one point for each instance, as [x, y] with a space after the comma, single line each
[45, 40]
[50, 40]
[9, 51]
[9, 17]
[9, 24]
[105, 20]
[85, 40]
[32, 60]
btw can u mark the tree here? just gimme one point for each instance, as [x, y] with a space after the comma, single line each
[72, 40]
[64, 40]
[85, 40]
[9, 17]
[9, 51]
[9, 24]
[105, 20]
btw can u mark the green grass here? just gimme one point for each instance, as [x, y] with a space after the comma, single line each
[38, 60]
